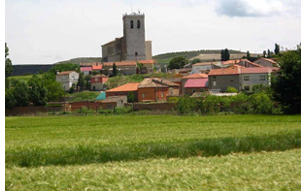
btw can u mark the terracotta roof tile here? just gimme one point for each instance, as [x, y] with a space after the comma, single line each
[129, 87]
[225, 71]
[156, 82]
[99, 67]
[195, 76]
[196, 83]
[147, 61]
[65, 72]
[83, 69]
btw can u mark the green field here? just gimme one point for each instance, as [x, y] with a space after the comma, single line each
[234, 152]
[24, 78]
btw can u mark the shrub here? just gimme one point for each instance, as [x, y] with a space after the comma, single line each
[231, 89]
[173, 99]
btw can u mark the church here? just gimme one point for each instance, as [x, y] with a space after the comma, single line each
[132, 46]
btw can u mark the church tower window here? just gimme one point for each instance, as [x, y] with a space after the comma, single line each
[138, 24]
[131, 24]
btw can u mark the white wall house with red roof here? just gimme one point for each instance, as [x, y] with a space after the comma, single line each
[67, 79]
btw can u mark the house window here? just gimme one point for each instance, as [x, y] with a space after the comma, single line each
[63, 77]
[214, 83]
[143, 95]
[246, 78]
[263, 77]
[231, 80]
[214, 77]
[247, 88]
[96, 79]
[131, 24]
[162, 94]
[194, 90]
[138, 24]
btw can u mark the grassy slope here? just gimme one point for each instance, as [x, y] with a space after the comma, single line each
[256, 171]
[25, 78]
[120, 80]
[93, 139]
[82, 60]
[84, 96]
[166, 57]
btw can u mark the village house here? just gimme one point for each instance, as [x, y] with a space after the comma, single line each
[192, 76]
[149, 65]
[86, 70]
[113, 102]
[124, 90]
[266, 62]
[67, 79]
[239, 77]
[98, 81]
[155, 89]
[97, 68]
[253, 76]
[246, 63]
[196, 85]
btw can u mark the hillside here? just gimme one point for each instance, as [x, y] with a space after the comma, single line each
[166, 57]
[82, 60]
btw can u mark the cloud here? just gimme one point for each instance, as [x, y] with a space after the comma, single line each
[258, 8]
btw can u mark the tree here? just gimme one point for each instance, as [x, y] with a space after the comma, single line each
[37, 93]
[10, 100]
[225, 55]
[114, 70]
[130, 97]
[287, 86]
[81, 82]
[269, 54]
[54, 91]
[8, 63]
[277, 49]
[177, 62]
[88, 84]
[248, 55]
[264, 54]
[21, 94]
[64, 67]
[196, 60]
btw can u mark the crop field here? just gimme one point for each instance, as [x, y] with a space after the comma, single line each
[136, 152]
[24, 78]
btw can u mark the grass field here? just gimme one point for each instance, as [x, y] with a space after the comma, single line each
[24, 78]
[146, 152]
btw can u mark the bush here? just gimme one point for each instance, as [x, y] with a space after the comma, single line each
[261, 103]
[173, 99]
[231, 90]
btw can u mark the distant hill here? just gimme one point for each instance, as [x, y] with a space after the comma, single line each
[166, 57]
[81, 60]
[29, 69]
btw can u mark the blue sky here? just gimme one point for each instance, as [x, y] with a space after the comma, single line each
[45, 32]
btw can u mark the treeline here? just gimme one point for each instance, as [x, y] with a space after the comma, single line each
[38, 90]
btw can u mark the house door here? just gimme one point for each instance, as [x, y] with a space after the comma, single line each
[93, 88]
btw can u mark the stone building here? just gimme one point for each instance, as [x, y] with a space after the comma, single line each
[132, 46]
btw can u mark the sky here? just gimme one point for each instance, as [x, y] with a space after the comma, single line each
[46, 32]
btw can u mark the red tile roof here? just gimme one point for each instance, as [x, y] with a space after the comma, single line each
[257, 70]
[249, 62]
[225, 71]
[83, 69]
[147, 61]
[65, 72]
[236, 71]
[156, 82]
[99, 67]
[203, 64]
[196, 83]
[195, 76]
[129, 87]
[113, 99]
[230, 61]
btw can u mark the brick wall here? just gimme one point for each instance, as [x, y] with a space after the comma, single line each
[153, 106]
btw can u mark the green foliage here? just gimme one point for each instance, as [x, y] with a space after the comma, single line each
[88, 82]
[130, 97]
[71, 90]
[231, 89]
[287, 86]
[100, 139]
[277, 49]
[225, 55]
[81, 82]
[10, 100]
[196, 60]
[177, 63]
[37, 93]
[21, 94]
[64, 67]
[84, 96]
[173, 99]
[248, 55]
[114, 70]
[264, 54]
[8, 63]
[269, 54]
